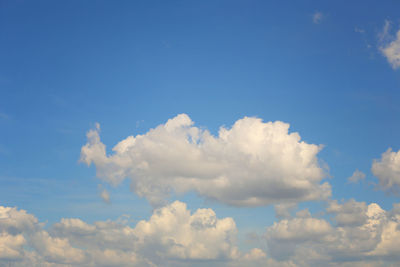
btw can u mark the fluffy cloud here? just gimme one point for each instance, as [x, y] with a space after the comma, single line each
[390, 46]
[253, 163]
[11, 246]
[188, 236]
[371, 238]
[387, 169]
[172, 236]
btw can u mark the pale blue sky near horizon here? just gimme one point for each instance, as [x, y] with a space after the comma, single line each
[132, 65]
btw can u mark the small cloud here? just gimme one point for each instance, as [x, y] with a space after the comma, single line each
[384, 34]
[359, 30]
[389, 45]
[317, 17]
[104, 194]
[356, 177]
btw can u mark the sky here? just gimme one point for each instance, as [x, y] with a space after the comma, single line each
[199, 133]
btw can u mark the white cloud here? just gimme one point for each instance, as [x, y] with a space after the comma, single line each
[15, 221]
[255, 254]
[389, 45]
[56, 250]
[387, 170]
[173, 236]
[351, 213]
[356, 177]
[369, 239]
[11, 246]
[317, 17]
[187, 236]
[253, 163]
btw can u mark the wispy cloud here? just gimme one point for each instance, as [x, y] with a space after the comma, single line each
[359, 30]
[105, 196]
[389, 45]
[317, 17]
[356, 177]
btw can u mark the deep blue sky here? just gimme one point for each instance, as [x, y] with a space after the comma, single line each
[132, 65]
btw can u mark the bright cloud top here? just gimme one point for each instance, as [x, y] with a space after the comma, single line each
[253, 163]
[387, 169]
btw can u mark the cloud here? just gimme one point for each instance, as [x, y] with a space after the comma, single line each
[351, 213]
[356, 177]
[173, 236]
[11, 246]
[359, 30]
[364, 235]
[358, 235]
[389, 45]
[387, 170]
[284, 210]
[181, 235]
[105, 196]
[317, 17]
[253, 163]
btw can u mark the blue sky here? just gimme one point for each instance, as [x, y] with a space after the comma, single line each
[329, 69]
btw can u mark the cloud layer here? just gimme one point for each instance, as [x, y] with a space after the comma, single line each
[172, 236]
[353, 234]
[253, 163]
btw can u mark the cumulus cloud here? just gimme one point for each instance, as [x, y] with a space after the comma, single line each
[172, 236]
[389, 45]
[371, 238]
[284, 210]
[387, 170]
[253, 163]
[358, 235]
[356, 177]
